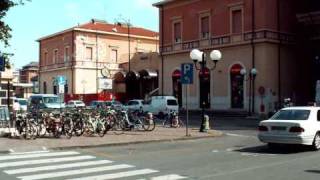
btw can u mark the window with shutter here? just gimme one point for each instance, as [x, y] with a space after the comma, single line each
[205, 27]
[236, 21]
[177, 32]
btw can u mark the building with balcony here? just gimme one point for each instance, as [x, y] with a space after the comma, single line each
[89, 57]
[250, 34]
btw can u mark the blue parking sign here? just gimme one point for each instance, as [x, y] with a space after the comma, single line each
[187, 73]
[2, 63]
[61, 80]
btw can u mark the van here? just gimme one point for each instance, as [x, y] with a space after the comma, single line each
[45, 101]
[161, 105]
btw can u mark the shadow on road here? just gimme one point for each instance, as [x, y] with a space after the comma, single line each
[313, 171]
[279, 149]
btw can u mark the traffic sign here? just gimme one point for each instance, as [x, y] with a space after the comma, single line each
[61, 80]
[187, 73]
[2, 63]
[61, 89]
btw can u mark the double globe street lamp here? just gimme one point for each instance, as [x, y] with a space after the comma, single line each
[252, 75]
[200, 57]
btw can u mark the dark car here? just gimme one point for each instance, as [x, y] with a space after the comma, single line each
[95, 104]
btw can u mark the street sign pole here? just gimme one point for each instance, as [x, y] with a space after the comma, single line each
[186, 79]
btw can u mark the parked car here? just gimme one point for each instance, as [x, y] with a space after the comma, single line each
[23, 103]
[292, 125]
[134, 104]
[44, 101]
[96, 103]
[75, 103]
[114, 104]
[161, 105]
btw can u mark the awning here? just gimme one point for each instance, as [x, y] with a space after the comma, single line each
[132, 75]
[119, 77]
[148, 73]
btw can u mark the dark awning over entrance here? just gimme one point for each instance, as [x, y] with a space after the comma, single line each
[148, 73]
[120, 77]
[132, 75]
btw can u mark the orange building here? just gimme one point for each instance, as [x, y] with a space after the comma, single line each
[259, 34]
[89, 57]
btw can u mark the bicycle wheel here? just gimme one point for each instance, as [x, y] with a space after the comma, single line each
[149, 124]
[78, 128]
[67, 128]
[101, 129]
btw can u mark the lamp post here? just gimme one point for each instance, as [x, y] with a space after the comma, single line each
[252, 75]
[127, 22]
[200, 57]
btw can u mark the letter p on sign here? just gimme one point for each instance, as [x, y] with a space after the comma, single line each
[187, 73]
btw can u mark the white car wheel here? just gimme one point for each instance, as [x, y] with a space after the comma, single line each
[316, 142]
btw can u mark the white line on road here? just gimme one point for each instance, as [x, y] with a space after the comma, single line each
[25, 156]
[56, 167]
[239, 135]
[42, 161]
[30, 152]
[169, 177]
[118, 175]
[75, 172]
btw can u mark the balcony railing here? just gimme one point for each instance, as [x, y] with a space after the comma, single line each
[79, 64]
[230, 40]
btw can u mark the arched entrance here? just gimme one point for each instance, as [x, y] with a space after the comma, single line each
[236, 80]
[148, 82]
[176, 86]
[204, 100]
[132, 85]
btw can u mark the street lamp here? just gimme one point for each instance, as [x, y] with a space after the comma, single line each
[252, 75]
[200, 57]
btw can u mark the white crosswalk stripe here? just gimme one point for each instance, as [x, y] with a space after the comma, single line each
[56, 167]
[74, 166]
[118, 175]
[42, 161]
[23, 156]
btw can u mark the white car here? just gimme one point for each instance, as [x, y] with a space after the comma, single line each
[292, 125]
[75, 103]
[134, 104]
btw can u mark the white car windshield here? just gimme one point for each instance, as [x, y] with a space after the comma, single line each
[51, 100]
[291, 114]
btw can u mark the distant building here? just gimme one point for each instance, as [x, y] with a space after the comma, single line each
[28, 80]
[89, 55]
[6, 89]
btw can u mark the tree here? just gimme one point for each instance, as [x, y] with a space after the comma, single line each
[5, 30]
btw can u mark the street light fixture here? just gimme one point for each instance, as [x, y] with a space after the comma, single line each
[252, 75]
[200, 57]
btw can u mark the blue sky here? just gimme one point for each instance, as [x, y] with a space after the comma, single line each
[39, 18]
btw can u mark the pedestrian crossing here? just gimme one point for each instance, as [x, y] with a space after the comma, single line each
[73, 165]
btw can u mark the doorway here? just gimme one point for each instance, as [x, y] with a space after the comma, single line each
[236, 80]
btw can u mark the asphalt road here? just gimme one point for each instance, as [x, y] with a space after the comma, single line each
[236, 155]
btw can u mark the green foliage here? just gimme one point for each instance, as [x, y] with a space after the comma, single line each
[5, 30]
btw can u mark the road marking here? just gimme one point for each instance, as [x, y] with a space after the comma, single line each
[168, 177]
[239, 135]
[24, 156]
[215, 151]
[75, 172]
[118, 175]
[56, 167]
[42, 161]
[30, 152]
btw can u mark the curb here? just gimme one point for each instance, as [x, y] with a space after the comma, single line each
[135, 142]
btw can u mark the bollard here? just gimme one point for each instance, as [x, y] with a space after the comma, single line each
[206, 124]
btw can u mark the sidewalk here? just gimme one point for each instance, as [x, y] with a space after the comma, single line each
[112, 138]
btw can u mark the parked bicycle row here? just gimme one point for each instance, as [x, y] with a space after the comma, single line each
[88, 122]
